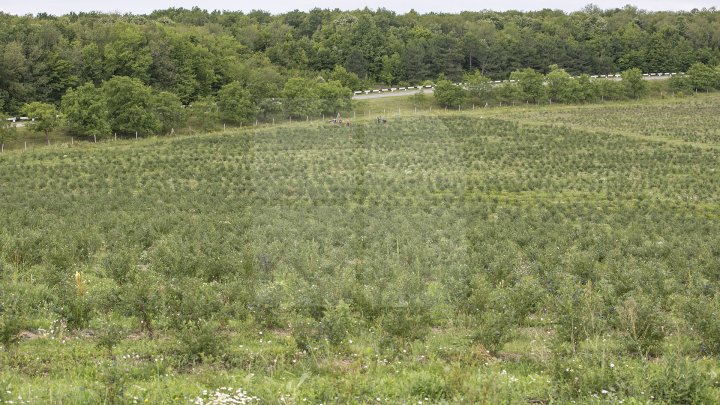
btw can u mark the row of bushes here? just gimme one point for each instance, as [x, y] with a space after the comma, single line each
[557, 86]
[125, 106]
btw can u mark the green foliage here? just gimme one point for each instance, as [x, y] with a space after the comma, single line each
[642, 322]
[337, 323]
[587, 90]
[301, 98]
[235, 104]
[612, 90]
[635, 86]
[114, 380]
[334, 97]
[193, 52]
[703, 77]
[447, 94]
[703, 314]
[203, 114]
[346, 79]
[130, 106]
[200, 341]
[429, 386]
[680, 381]
[11, 325]
[85, 111]
[681, 83]
[531, 84]
[168, 108]
[479, 87]
[126, 54]
[8, 131]
[591, 375]
[109, 336]
[74, 305]
[44, 117]
[583, 314]
[562, 88]
[508, 92]
[563, 240]
[143, 297]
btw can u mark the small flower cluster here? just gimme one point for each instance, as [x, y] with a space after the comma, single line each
[224, 395]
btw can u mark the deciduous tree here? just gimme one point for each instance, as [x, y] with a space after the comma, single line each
[44, 118]
[85, 111]
[235, 104]
[130, 106]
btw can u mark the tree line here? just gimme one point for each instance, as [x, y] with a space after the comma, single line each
[193, 54]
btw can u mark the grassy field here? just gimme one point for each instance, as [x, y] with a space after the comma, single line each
[506, 255]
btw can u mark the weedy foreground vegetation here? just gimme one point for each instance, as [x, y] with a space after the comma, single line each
[507, 256]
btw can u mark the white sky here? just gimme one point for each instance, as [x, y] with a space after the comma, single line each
[59, 7]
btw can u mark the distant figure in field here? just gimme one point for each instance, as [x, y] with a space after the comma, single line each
[347, 123]
[381, 120]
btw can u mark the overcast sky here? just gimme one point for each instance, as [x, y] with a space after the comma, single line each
[59, 7]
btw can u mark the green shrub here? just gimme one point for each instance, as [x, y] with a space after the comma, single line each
[492, 330]
[109, 335]
[305, 332]
[406, 322]
[74, 305]
[267, 306]
[580, 312]
[641, 322]
[200, 341]
[702, 312]
[680, 381]
[190, 300]
[337, 323]
[589, 374]
[425, 384]
[119, 264]
[143, 297]
[114, 382]
[10, 327]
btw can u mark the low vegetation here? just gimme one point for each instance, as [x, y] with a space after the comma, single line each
[534, 254]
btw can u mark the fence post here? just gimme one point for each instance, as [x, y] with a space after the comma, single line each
[25, 145]
[72, 141]
[273, 120]
[94, 138]
[136, 135]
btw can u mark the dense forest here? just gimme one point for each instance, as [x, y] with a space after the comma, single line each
[192, 54]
